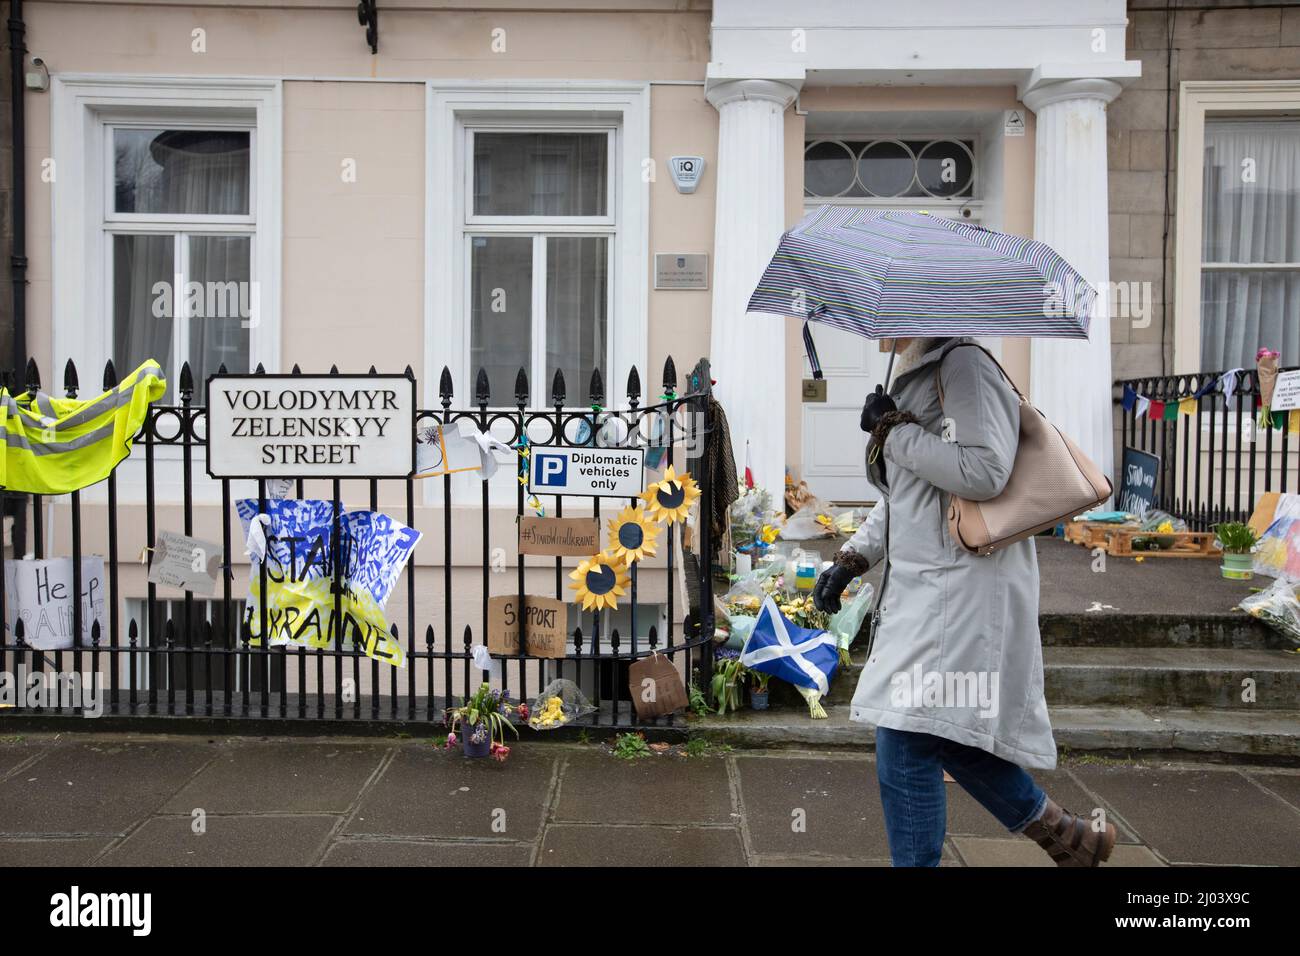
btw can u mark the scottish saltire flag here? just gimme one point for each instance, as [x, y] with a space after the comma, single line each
[803, 656]
[885, 274]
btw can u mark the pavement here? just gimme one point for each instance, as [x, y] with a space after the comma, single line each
[75, 799]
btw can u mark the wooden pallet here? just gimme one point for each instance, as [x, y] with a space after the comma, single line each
[1185, 544]
[1117, 540]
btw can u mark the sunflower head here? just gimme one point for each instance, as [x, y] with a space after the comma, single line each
[670, 498]
[632, 535]
[598, 581]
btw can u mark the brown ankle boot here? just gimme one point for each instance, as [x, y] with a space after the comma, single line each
[1070, 840]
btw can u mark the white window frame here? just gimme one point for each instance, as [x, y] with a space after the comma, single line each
[453, 111]
[84, 108]
[1256, 99]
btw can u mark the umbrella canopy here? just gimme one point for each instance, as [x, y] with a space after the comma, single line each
[884, 274]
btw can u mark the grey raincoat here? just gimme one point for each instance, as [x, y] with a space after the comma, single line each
[957, 653]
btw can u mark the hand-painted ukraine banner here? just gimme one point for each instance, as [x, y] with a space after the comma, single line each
[299, 556]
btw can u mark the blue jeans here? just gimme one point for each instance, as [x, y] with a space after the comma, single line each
[910, 769]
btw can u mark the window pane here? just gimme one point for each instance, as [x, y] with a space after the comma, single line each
[540, 174]
[1252, 191]
[501, 312]
[142, 302]
[221, 300]
[576, 312]
[181, 171]
[1241, 312]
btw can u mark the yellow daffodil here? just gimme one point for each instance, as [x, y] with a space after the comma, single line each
[670, 498]
[632, 535]
[768, 534]
[599, 581]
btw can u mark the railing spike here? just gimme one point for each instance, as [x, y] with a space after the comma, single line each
[222, 370]
[334, 369]
[670, 375]
[521, 388]
[260, 370]
[596, 391]
[94, 633]
[482, 390]
[428, 636]
[70, 378]
[187, 382]
[373, 371]
[33, 376]
[445, 391]
[634, 385]
[557, 388]
[295, 370]
[110, 375]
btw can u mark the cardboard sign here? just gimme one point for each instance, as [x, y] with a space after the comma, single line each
[655, 686]
[1137, 490]
[545, 620]
[302, 426]
[559, 537]
[1286, 393]
[40, 593]
[604, 472]
[183, 562]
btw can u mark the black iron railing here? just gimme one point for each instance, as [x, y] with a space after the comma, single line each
[1216, 461]
[183, 656]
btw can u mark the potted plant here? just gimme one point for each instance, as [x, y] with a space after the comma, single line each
[728, 676]
[480, 723]
[758, 690]
[1238, 541]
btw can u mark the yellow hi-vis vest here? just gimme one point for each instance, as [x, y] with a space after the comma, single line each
[56, 445]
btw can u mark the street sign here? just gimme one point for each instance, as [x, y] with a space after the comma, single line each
[303, 426]
[604, 472]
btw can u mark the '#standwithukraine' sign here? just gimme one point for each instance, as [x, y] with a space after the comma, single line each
[302, 426]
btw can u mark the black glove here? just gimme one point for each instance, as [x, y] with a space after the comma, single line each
[877, 405]
[832, 582]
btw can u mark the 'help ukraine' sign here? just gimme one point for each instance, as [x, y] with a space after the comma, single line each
[606, 472]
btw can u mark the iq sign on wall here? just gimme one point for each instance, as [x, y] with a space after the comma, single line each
[297, 426]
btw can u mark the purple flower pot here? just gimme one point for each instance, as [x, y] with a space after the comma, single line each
[472, 749]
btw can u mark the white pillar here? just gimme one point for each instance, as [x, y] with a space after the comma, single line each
[747, 352]
[1070, 380]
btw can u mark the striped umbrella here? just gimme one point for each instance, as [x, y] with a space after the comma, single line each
[903, 274]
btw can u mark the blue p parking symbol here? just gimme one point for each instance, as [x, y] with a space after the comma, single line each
[551, 470]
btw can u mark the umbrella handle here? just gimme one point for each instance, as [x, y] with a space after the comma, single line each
[889, 371]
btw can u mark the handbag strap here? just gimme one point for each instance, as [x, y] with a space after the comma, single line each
[938, 379]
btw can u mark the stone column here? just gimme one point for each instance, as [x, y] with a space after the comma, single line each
[748, 351]
[1070, 380]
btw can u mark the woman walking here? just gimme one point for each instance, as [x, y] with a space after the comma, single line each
[954, 678]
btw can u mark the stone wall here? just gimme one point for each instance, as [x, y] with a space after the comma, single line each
[1206, 40]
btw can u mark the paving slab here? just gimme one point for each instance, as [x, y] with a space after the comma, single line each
[967, 816]
[103, 786]
[228, 841]
[417, 853]
[425, 791]
[983, 851]
[1285, 785]
[1200, 816]
[584, 845]
[598, 788]
[288, 776]
[70, 852]
[14, 752]
[839, 800]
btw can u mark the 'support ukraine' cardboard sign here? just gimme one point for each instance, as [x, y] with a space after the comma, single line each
[300, 554]
[559, 537]
[301, 426]
[39, 592]
[544, 619]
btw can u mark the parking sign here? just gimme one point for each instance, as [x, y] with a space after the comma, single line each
[603, 472]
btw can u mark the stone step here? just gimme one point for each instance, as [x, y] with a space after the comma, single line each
[1150, 676]
[1241, 734]
[1110, 629]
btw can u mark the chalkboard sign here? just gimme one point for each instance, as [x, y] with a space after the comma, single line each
[1137, 489]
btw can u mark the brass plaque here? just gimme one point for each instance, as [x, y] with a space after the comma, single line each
[814, 390]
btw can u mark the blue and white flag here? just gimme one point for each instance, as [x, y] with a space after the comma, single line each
[802, 656]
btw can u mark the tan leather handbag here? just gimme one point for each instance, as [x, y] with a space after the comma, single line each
[1051, 481]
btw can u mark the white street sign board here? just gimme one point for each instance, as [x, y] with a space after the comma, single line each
[304, 426]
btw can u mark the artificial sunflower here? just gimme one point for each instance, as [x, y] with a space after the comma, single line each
[632, 535]
[599, 580]
[670, 498]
